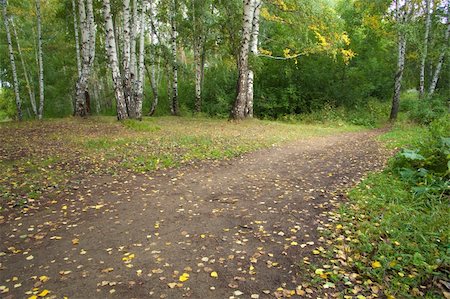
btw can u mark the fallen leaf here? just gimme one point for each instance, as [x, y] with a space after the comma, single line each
[184, 277]
[376, 264]
[43, 293]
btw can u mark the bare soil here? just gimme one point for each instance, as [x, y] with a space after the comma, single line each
[240, 227]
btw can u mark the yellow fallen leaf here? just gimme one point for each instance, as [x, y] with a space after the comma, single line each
[75, 241]
[43, 293]
[64, 207]
[32, 297]
[202, 236]
[319, 271]
[293, 243]
[172, 285]
[214, 274]
[184, 277]
[43, 278]
[376, 264]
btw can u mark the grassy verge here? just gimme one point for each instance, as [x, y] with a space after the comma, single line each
[392, 238]
[37, 157]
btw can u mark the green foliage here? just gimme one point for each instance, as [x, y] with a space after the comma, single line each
[7, 106]
[403, 214]
[423, 111]
[372, 113]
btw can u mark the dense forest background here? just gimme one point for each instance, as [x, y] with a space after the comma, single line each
[339, 58]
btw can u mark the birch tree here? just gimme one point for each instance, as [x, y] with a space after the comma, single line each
[111, 51]
[174, 108]
[238, 110]
[400, 16]
[40, 60]
[30, 88]
[442, 55]
[88, 33]
[140, 71]
[200, 30]
[425, 48]
[126, 59]
[254, 52]
[152, 72]
[12, 61]
[77, 39]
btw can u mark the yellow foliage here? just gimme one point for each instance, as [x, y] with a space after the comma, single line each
[269, 17]
[265, 52]
[372, 22]
[347, 55]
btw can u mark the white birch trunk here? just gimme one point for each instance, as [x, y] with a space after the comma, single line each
[126, 59]
[77, 39]
[113, 61]
[40, 59]
[140, 78]
[133, 36]
[88, 56]
[30, 88]
[152, 72]
[254, 52]
[174, 104]
[13, 62]
[425, 49]
[238, 111]
[400, 67]
[198, 72]
[444, 50]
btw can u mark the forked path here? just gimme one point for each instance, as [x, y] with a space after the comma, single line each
[243, 227]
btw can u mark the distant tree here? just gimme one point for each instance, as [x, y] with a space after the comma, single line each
[402, 13]
[12, 61]
[442, 54]
[425, 48]
[40, 60]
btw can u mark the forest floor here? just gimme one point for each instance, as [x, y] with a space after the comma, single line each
[242, 227]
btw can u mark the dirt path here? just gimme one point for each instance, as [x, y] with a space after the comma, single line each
[252, 222]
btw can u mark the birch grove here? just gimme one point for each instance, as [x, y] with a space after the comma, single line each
[216, 57]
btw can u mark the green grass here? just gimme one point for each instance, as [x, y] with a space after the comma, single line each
[407, 233]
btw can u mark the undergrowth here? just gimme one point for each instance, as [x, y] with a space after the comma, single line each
[397, 235]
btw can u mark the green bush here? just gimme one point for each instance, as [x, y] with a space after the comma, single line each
[423, 111]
